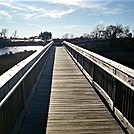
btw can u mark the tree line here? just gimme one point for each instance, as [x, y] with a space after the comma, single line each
[99, 32]
[111, 31]
[43, 35]
[102, 32]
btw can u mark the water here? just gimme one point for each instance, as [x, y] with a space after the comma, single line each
[16, 49]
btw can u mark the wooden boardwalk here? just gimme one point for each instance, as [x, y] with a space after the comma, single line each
[74, 106]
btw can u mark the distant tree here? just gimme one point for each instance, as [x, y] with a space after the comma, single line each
[130, 35]
[98, 31]
[126, 31]
[4, 33]
[118, 31]
[114, 31]
[114, 35]
[109, 31]
[32, 38]
[71, 36]
[66, 36]
[0, 34]
[85, 35]
[45, 35]
[15, 34]
[133, 33]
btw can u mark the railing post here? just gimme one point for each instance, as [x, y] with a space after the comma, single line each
[114, 90]
[24, 97]
[83, 61]
[93, 73]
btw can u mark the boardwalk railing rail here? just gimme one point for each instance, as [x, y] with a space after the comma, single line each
[20, 89]
[114, 81]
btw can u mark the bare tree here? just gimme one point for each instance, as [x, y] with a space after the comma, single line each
[15, 34]
[68, 36]
[4, 33]
[126, 31]
[109, 31]
[119, 30]
[98, 31]
[65, 36]
[71, 36]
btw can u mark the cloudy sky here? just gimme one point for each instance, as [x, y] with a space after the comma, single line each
[30, 17]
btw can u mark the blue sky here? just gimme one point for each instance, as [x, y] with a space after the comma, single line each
[77, 17]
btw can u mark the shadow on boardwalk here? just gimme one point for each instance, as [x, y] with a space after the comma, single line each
[36, 118]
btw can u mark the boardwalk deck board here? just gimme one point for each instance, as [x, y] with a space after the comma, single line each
[74, 106]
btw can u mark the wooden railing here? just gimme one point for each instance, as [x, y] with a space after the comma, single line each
[114, 81]
[19, 90]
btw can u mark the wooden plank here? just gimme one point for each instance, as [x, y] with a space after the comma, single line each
[74, 105]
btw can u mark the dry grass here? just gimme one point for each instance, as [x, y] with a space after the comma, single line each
[7, 61]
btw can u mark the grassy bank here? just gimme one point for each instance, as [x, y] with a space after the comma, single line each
[9, 60]
[125, 57]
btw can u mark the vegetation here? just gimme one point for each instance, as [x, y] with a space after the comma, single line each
[9, 60]
[111, 31]
[45, 35]
[105, 32]
[3, 33]
[67, 36]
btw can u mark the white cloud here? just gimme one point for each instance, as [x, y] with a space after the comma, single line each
[79, 3]
[66, 2]
[96, 7]
[28, 11]
[34, 25]
[44, 13]
[55, 13]
[26, 15]
[32, 11]
[109, 10]
[5, 14]
[7, 4]
[14, 6]
[13, 22]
